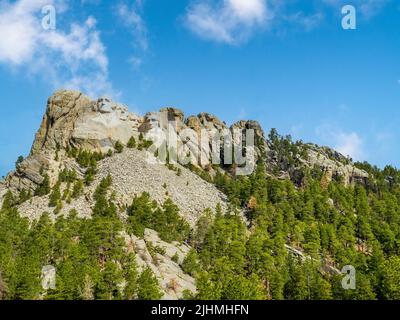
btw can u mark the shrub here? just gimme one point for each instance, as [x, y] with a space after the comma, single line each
[131, 143]
[44, 187]
[119, 147]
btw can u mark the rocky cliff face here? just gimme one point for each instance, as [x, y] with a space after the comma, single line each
[335, 165]
[72, 120]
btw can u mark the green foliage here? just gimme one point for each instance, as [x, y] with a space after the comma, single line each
[154, 250]
[131, 277]
[9, 200]
[175, 258]
[87, 160]
[24, 196]
[67, 176]
[55, 196]
[331, 224]
[19, 161]
[44, 188]
[390, 273]
[131, 143]
[286, 151]
[191, 263]
[145, 213]
[88, 254]
[144, 144]
[148, 287]
[77, 189]
[119, 147]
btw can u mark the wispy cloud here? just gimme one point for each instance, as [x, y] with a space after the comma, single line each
[74, 59]
[347, 143]
[368, 8]
[131, 18]
[235, 21]
[350, 144]
[306, 22]
[227, 21]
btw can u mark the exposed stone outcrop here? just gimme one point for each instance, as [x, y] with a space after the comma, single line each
[72, 120]
[172, 279]
[334, 164]
[250, 124]
[284, 164]
[325, 267]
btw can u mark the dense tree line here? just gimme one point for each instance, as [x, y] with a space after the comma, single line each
[89, 255]
[333, 225]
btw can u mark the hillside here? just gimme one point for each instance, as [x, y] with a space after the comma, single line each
[115, 222]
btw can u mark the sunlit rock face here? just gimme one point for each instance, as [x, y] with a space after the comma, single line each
[73, 120]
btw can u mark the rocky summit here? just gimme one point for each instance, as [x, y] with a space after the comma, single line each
[73, 120]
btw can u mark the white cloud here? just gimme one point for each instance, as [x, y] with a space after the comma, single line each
[306, 22]
[350, 144]
[347, 143]
[73, 59]
[131, 17]
[249, 10]
[235, 21]
[227, 21]
[17, 27]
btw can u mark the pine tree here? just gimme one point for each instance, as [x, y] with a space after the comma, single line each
[131, 143]
[148, 286]
[109, 287]
[118, 147]
[297, 288]
[55, 196]
[207, 289]
[390, 272]
[77, 189]
[19, 161]
[131, 278]
[44, 188]
[191, 263]
[241, 288]
[8, 200]
[202, 227]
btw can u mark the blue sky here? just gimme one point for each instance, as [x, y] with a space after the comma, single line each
[288, 64]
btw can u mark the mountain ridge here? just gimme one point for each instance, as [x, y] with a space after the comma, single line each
[72, 120]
